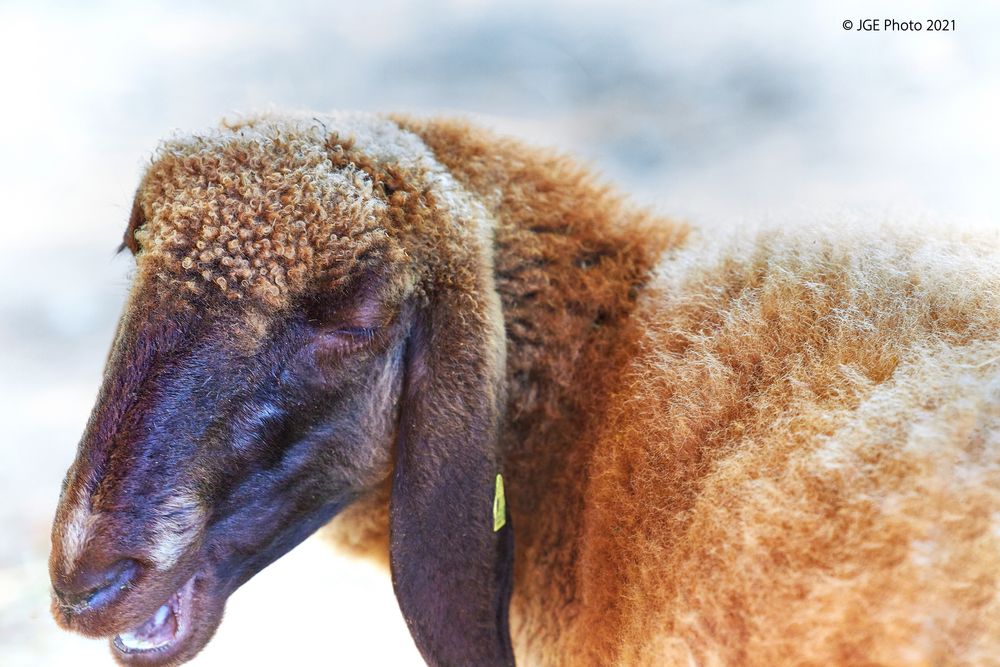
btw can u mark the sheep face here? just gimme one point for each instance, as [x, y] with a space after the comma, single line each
[228, 447]
[298, 334]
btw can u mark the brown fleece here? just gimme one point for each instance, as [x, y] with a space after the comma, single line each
[783, 448]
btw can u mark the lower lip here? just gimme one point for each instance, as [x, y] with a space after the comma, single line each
[163, 632]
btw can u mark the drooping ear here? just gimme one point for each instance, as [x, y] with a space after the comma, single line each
[452, 563]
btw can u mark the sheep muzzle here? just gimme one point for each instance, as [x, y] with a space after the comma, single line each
[216, 445]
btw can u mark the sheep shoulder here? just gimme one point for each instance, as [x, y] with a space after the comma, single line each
[802, 459]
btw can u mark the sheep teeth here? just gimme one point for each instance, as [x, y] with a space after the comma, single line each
[140, 640]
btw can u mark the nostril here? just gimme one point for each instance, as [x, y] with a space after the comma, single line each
[92, 589]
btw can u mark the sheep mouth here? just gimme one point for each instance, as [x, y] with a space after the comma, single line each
[170, 634]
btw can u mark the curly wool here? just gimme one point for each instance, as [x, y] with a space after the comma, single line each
[272, 206]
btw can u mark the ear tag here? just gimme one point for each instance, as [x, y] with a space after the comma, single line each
[499, 506]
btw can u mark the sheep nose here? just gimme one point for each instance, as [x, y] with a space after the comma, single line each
[92, 587]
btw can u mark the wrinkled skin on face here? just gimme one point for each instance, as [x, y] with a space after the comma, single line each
[216, 447]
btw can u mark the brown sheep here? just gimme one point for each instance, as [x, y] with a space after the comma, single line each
[783, 448]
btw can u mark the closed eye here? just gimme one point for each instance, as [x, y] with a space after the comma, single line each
[348, 339]
[355, 332]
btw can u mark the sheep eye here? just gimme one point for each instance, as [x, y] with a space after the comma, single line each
[356, 332]
[349, 338]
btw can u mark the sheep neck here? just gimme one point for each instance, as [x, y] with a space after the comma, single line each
[571, 259]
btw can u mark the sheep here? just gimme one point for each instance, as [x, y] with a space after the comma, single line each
[782, 447]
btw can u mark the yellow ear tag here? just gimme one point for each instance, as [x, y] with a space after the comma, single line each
[499, 506]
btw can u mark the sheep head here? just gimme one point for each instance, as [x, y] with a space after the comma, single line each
[312, 316]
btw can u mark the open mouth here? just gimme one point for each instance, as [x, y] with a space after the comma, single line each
[163, 633]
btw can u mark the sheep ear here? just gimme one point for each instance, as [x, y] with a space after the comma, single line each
[135, 221]
[451, 540]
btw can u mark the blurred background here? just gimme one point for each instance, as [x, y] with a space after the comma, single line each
[719, 112]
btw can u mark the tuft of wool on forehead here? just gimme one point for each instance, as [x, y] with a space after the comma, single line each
[263, 209]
